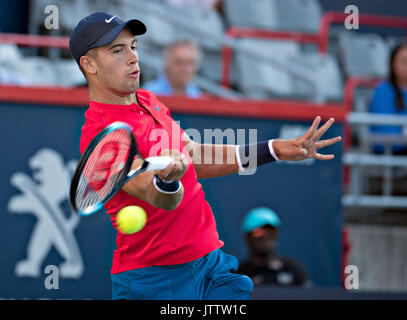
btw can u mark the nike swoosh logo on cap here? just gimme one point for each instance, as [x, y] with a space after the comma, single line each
[108, 21]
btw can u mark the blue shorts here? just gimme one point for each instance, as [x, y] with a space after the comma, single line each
[207, 278]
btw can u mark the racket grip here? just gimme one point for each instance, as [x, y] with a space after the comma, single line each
[158, 163]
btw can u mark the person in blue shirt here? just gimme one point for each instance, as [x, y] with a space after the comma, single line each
[390, 97]
[181, 64]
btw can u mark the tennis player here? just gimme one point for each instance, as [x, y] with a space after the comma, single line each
[177, 254]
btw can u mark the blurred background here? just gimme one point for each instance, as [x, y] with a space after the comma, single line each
[269, 65]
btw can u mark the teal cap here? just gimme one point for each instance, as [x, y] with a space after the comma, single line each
[259, 217]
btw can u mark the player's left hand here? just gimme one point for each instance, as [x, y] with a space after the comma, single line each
[306, 146]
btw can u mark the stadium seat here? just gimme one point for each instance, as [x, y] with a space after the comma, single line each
[364, 55]
[37, 71]
[10, 59]
[362, 99]
[160, 31]
[163, 32]
[211, 67]
[68, 73]
[108, 6]
[325, 72]
[70, 16]
[209, 23]
[260, 78]
[9, 53]
[72, 11]
[261, 14]
[299, 15]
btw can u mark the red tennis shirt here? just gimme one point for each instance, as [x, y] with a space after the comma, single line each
[169, 237]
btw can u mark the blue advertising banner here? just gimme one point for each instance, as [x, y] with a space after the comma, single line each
[48, 251]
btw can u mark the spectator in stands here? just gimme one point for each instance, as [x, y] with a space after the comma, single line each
[390, 97]
[264, 266]
[181, 61]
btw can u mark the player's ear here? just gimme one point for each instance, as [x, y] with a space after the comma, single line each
[88, 64]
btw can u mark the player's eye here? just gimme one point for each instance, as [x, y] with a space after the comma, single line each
[117, 51]
[133, 48]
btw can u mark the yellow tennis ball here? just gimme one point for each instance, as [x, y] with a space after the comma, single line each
[131, 219]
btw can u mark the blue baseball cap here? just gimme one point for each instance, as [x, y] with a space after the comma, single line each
[259, 217]
[99, 29]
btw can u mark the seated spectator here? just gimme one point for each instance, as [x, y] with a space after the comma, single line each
[264, 266]
[181, 61]
[390, 97]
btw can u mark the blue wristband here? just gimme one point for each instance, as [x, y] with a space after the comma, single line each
[168, 187]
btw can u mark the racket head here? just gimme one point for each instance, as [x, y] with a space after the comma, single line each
[103, 168]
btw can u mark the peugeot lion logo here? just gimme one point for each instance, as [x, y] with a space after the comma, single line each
[42, 196]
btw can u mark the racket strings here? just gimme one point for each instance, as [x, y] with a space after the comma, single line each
[104, 168]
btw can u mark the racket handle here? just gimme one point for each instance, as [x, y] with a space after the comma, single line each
[158, 163]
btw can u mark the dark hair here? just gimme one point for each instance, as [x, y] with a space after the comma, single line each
[393, 79]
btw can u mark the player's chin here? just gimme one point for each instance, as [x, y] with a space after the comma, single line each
[133, 85]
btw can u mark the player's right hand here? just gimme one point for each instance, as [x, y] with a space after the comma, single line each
[175, 170]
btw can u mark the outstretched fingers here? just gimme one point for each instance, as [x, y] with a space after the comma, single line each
[323, 129]
[311, 131]
[320, 156]
[327, 142]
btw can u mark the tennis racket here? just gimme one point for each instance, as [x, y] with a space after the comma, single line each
[105, 167]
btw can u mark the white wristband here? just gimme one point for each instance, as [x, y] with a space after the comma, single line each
[239, 161]
[272, 150]
[166, 184]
